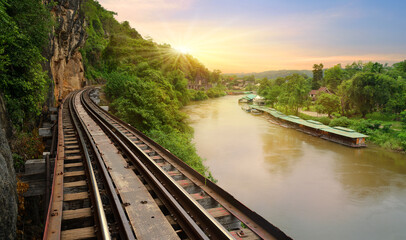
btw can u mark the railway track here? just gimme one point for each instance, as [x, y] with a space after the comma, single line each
[145, 191]
[83, 201]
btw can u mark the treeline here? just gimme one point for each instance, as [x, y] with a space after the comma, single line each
[146, 82]
[370, 98]
[357, 88]
[273, 74]
[366, 88]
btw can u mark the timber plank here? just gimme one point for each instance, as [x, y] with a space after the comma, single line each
[156, 157]
[72, 151]
[185, 183]
[218, 212]
[74, 173]
[78, 233]
[72, 146]
[74, 184]
[73, 157]
[174, 173]
[77, 213]
[69, 165]
[199, 196]
[75, 196]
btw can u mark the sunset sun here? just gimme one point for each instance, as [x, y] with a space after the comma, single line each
[183, 49]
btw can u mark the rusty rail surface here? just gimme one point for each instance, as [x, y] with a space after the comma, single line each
[76, 208]
[192, 198]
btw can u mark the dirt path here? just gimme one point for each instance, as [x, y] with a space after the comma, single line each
[313, 114]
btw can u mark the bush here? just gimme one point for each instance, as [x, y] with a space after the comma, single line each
[402, 137]
[386, 127]
[196, 95]
[403, 119]
[342, 122]
[26, 146]
[363, 126]
[380, 116]
[217, 91]
[324, 120]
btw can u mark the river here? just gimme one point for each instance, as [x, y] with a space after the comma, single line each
[308, 187]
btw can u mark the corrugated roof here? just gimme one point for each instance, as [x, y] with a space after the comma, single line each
[315, 122]
[311, 123]
[345, 133]
[249, 96]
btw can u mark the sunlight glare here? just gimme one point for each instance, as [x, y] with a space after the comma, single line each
[183, 49]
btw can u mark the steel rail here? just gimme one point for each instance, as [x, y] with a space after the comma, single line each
[126, 230]
[251, 219]
[55, 189]
[206, 228]
[104, 229]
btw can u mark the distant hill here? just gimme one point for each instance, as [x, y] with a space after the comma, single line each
[275, 73]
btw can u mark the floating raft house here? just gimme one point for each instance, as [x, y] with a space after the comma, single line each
[247, 98]
[340, 135]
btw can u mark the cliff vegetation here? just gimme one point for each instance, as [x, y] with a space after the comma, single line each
[24, 30]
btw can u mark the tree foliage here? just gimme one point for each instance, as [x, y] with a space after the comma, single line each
[327, 103]
[333, 77]
[360, 88]
[24, 29]
[291, 91]
[317, 76]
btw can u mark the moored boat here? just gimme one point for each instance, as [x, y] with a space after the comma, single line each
[341, 135]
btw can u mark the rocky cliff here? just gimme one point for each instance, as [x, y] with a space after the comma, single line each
[66, 66]
[8, 195]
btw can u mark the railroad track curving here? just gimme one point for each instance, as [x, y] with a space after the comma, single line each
[84, 203]
[138, 189]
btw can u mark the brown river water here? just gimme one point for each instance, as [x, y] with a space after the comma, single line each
[308, 187]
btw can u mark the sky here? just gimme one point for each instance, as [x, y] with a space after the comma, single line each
[238, 36]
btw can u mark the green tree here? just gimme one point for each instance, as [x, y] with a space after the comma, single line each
[371, 91]
[317, 76]
[333, 77]
[215, 76]
[270, 90]
[373, 67]
[294, 92]
[344, 95]
[179, 82]
[354, 68]
[327, 103]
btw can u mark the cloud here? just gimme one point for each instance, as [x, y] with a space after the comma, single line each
[234, 43]
[145, 10]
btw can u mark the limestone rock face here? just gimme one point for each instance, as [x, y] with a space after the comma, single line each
[66, 64]
[8, 194]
